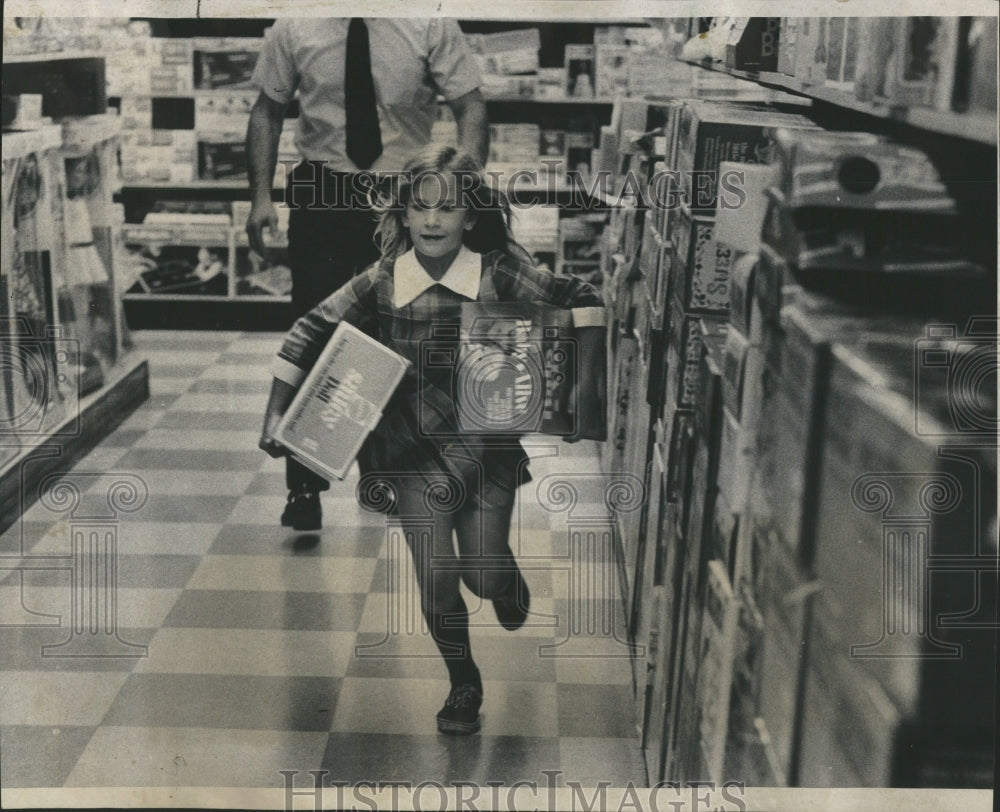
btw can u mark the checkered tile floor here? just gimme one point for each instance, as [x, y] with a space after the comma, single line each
[268, 650]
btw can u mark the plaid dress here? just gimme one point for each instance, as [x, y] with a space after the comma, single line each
[419, 431]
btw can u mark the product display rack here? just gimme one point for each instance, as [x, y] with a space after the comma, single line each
[69, 377]
[235, 310]
[753, 579]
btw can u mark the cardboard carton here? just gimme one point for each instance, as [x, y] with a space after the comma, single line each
[340, 402]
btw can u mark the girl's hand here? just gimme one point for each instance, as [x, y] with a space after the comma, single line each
[280, 398]
[267, 442]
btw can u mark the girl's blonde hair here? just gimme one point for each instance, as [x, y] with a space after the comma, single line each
[489, 206]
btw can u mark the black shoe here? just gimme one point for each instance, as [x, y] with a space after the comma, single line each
[512, 608]
[460, 713]
[303, 511]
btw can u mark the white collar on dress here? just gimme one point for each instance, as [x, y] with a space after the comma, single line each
[462, 277]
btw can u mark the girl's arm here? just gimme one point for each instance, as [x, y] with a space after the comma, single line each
[353, 303]
[282, 394]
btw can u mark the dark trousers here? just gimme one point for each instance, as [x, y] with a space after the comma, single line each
[330, 239]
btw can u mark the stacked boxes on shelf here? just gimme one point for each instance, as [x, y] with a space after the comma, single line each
[788, 568]
[184, 105]
[732, 570]
[943, 63]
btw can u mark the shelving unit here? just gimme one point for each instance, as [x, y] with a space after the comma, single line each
[239, 311]
[978, 127]
[755, 572]
[68, 377]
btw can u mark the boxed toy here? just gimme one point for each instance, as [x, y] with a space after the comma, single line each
[515, 370]
[700, 268]
[506, 52]
[340, 402]
[752, 44]
[225, 63]
[612, 70]
[709, 134]
[579, 61]
[718, 647]
[179, 258]
[222, 156]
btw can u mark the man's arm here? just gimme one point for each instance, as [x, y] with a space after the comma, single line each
[473, 127]
[266, 120]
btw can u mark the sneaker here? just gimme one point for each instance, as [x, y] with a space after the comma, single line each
[303, 511]
[460, 713]
[512, 608]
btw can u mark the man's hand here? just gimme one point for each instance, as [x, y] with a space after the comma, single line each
[262, 215]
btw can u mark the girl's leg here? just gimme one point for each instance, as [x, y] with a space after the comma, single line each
[488, 565]
[444, 609]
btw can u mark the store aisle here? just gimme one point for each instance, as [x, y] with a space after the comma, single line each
[269, 650]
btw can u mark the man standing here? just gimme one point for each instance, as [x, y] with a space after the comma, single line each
[368, 95]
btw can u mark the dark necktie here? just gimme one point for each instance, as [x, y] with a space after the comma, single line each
[364, 139]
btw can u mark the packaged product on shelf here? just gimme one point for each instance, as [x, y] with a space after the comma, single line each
[733, 370]
[843, 38]
[848, 722]
[736, 452]
[718, 642]
[739, 214]
[506, 52]
[700, 267]
[41, 370]
[976, 85]
[340, 402]
[500, 86]
[854, 215]
[222, 156]
[725, 525]
[797, 403]
[651, 71]
[227, 62]
[550, 83]
[579, 146]
[611, 68]
[786, 596]
[179, 258]
[169, 80]
[23, 112]
[579, 60]
[788, 39]
[223, 111]
[552, 152]
[752, 44]
[709, 134]
[708, 415]
[537, 229]
[159, 156]
[136, 113]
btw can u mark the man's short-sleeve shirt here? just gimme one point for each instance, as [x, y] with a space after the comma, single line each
[413, 61]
